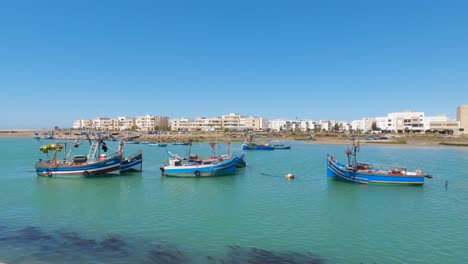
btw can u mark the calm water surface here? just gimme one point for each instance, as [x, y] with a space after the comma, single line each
[256, 216]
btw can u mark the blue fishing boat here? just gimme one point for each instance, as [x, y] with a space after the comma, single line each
[251, 145]
[133, 162]
[157, 145]
[178, 167]
[255, 146]
[281, 146]
[193, 158]
[93, 164]
[366, 173]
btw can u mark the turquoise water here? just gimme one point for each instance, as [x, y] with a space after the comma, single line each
[256, 216]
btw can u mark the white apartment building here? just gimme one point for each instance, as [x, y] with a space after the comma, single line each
[232, 122]
[125, 123]
[82, 124]
[145, 123]
[394, 122]
[277, 124]
[102, 123]
[293, 125]
[361, 125]
[406, 121]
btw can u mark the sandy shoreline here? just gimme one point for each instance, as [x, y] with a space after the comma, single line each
[319, 138]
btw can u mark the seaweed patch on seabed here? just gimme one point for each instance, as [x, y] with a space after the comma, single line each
[64, 244]
[237, 254]
[67, 246]
[165, 254]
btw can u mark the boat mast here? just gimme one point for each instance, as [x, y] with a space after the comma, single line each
[355, 150]
[189, 147]
[353, 153]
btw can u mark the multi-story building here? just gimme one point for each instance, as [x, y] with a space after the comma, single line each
[125, 123]
[232, 122]
[462, 117]
[145, 123]
[102, 123]
[161, 122]
[82, 124]
[405, 121]
[293, 125]
[150, 122]
[182, 124]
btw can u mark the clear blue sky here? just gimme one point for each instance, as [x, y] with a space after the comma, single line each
[66, 60]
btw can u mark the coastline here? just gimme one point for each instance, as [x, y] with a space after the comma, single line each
[319, 138]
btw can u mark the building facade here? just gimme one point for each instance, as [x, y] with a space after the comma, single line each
[142, 123]
[462, 117]
[230, 122]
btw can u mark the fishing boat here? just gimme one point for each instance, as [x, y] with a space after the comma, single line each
[178, 167]
[366, 173]
[193, 158]
[281, 146]
[157, 145]
[193, 166]
[92, 164]
[251, 145]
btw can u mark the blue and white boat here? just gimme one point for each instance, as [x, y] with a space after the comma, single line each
[157, 145]
[255, 146]
[181, 143]
[193, 158]
[93, 164]
[178, 167]
[371, 173]
[281, 146]
[251, 145]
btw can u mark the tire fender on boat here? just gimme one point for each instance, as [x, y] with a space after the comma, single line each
[197, 173]
[161, 168]
[48, 172]
[85, 173]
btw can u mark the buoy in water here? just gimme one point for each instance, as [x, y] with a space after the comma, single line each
[290, 176]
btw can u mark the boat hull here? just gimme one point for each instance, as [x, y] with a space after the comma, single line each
[132, 163]
[108, 166]
[340, 171]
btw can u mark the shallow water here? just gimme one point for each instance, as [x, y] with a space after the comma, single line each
[256, 216]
